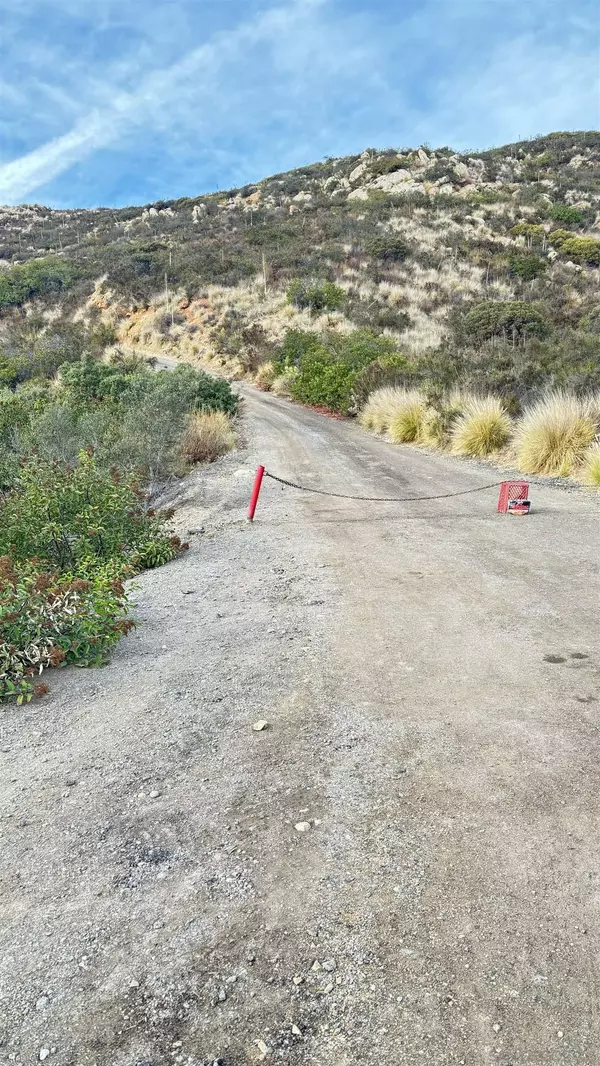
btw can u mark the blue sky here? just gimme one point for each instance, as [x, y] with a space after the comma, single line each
[118, 102]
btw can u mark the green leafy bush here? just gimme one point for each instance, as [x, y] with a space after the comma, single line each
[582, 249]
[34, 348]
[529, 229]
[566, 213]
[37, 277]
[391, 248]
[130, 416]
[511, 318]
[526, 267]
[9, 370]
[48, 619]
[558, 237]
[329, 366]
[89, 382]
[316, 296]
[295, 344]
[323, 381]
[386, 164]
[76, 520]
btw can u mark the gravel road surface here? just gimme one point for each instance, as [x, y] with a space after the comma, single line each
[402, 868]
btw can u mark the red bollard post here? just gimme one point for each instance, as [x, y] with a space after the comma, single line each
[255, 492]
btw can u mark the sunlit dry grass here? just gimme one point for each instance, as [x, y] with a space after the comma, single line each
[484, 427]
[555, 434]
[208, 435]
[406, 423]
[590, 468]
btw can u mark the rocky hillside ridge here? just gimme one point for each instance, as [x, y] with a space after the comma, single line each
[417, 239]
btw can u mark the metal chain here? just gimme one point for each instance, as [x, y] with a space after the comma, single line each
[379, 499]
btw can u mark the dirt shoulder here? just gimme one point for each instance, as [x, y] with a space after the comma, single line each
[430, 678]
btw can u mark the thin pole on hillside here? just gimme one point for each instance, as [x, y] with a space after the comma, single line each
[170, 266]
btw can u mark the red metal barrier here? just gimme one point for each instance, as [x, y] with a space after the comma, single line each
[511, 490]
[255, 492]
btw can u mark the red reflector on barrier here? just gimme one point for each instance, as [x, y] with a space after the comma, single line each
[519, 506]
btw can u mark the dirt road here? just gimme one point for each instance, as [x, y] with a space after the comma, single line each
[429, 672]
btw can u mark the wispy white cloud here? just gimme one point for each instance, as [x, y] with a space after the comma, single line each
[107, 103]
[99, 128]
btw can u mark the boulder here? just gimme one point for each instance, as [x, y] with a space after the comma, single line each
[397, 181]
[358, 172]
[391, 180]
[462, 171]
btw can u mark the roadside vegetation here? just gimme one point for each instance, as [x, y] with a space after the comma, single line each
[80, 454]
[558, 435]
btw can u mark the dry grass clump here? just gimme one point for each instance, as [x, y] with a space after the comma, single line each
[554, 435]
[408, 418]
[380, 408]
[282, 384]
[265, 376]
[483, 428]
[208, 435]
[590, 470]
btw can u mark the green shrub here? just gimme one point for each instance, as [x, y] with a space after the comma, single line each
[90, 382]
[10, 370]
[391, 248]
[330, 366]
[295, 344]
[526, 267]
[558, 236]
[535, 233]
[361, 347]
[48, 619]
[79, 519]
[185, 389]
[55, 434]
[316, 296]
[386, 164]
[582, 249]
[14, 415]
[34, 348]
[323, 381]
[512, 318]
[566, 213]
[131, 417]
[37, 277]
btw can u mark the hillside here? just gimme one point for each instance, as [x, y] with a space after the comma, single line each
[480, 268]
